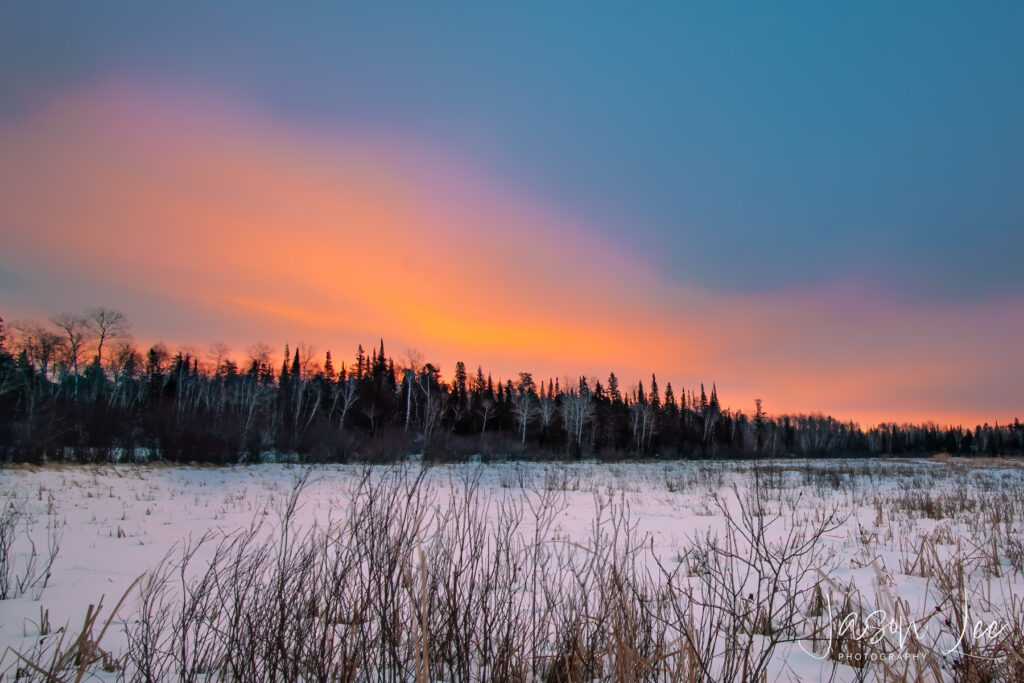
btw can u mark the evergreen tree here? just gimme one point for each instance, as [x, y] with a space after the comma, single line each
[360, 362]
[391, 378]
[613, 388]
[670, 398]
[459, 382]
[283, 376]
[479, 383]
[329, 367]
[380, 366]
[759, 425]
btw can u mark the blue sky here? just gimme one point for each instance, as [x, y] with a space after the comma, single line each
[759, 145]
[874, 151]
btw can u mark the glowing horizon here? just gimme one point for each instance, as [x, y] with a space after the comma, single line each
[203, 220]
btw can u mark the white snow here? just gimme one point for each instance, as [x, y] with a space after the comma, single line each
[117, 522]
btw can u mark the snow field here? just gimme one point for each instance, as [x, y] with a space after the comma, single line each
[523, 571]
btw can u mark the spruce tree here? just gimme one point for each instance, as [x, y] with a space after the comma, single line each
[329, 366]
[380, 365]
[613, 388]
[460, 382]
[391, 378]
[282, 378]
[360, 361]
[479, 383]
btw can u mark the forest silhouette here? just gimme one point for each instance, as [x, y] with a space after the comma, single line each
[78, 389]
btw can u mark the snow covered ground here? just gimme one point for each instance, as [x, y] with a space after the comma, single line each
[908, 536]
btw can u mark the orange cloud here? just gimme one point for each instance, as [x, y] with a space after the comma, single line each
[235, 223]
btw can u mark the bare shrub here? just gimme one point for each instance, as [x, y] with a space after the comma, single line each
[482, 583]
[24, 567]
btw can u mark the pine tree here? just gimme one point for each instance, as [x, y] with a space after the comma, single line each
[479, 383]
[282, 378]
[329, 367]
[613, 388]
[655, 399]
[460, 382]
[759, 424]
[380, 366]
[360, 361]
[670, 398]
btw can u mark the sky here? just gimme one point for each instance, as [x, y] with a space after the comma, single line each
[820, 206]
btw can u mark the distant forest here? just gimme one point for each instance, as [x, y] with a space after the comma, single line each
[77, 389]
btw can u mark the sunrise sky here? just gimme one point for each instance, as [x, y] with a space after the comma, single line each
[820, 207]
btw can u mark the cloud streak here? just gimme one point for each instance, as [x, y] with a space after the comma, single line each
[204, 220]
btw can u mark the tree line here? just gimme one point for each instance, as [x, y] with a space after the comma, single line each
[77, 388]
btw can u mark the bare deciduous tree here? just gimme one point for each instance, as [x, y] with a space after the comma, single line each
[577, 410]
[524, 405]
[487, 411]
[106, 324]
[344, 395]
[41, 346]
[218, 354]
[260, 355]
[76, 332]
[413, 360]
[309, 365]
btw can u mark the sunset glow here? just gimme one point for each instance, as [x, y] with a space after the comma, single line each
[205, 221]
[826, 217]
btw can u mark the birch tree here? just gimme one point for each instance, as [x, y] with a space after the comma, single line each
[523, 404]
[577, 411]
[75, 331]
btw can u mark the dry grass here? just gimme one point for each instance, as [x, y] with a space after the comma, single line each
[479, 584]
